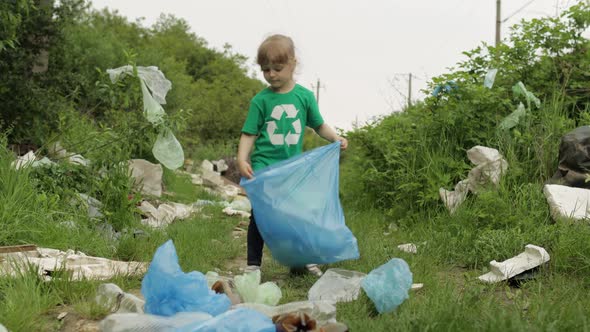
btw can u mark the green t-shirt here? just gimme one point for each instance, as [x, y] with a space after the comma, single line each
[279, 120]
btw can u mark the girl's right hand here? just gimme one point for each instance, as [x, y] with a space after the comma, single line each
[245, 169]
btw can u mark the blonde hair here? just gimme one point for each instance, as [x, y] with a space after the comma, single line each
[276, 49]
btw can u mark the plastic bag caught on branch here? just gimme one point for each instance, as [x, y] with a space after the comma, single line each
[154, 87]
[168, 150]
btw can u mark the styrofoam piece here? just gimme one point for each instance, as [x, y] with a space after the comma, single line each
[322, 311]
[78, 264]
[532, 257]
[408, 247]
[2, 328]
[337, 285]
[567, 202]
[116, 300]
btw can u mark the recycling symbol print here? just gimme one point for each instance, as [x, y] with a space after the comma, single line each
[291, 137]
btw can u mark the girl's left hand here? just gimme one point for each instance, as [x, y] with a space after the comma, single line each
[343, 143]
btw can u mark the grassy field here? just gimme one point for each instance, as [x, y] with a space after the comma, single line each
[452, 252]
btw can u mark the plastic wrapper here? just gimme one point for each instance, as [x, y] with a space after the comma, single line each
[168, 290]
[168, 150]
[337, 285]
[297, 209]
[134, 322]
[239, 320]
[520, 89]
[388, 285]
[490, 78]
[250, 289]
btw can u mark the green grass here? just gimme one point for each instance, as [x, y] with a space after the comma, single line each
[453, 250]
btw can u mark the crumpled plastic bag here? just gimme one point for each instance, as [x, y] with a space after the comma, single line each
[135, 322]
[297, 209]
[168, 150]
[155, 80]
[520, 89]
[388, 285]
[238, 320]
[154, 87]
[167, 290]
[250, 289]
[488, 81]
[513, 119]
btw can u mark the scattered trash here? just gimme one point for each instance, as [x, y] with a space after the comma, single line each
[220, 166]
[520, 89]
[514, 118]
[445, 88]
[299, 321]
[238, 320]
[296, 236]
[166, 213]
[30, 159]
[241, 203]
[131, 322]
[388, 285]
[532, 257]
[323, 311]
[574, 158]
[77, 264]
[488, 82]
[61, 316]
[490, 165]
[408, 247]
[250, 290]
[416, 287]
[168, 290]
[92, 205]
[116, 300]
[227, 288]
[166, 149]
[567, 202]
[56, 151]
[147, 176]
[79, 160]
[2, 328]
[204, 202]
[453, 199]
[231, 212]
[336, 285]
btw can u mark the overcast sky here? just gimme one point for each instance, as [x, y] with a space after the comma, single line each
[355, 48]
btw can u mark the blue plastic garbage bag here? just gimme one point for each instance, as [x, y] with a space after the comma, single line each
[167, 290]
[297, 209]
[239, 320]
[388, 285]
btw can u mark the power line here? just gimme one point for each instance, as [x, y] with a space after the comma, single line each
[518, 10]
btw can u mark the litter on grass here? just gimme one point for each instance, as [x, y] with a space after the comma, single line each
[532, 257]
[78, 265]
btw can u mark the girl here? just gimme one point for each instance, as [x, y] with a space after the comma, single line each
[275, 123]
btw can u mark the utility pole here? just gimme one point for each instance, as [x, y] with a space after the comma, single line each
[498, 21]
[317, 93]
[410, 91]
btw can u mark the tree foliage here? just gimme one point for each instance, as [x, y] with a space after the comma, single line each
[405, 158]
[210, 88]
